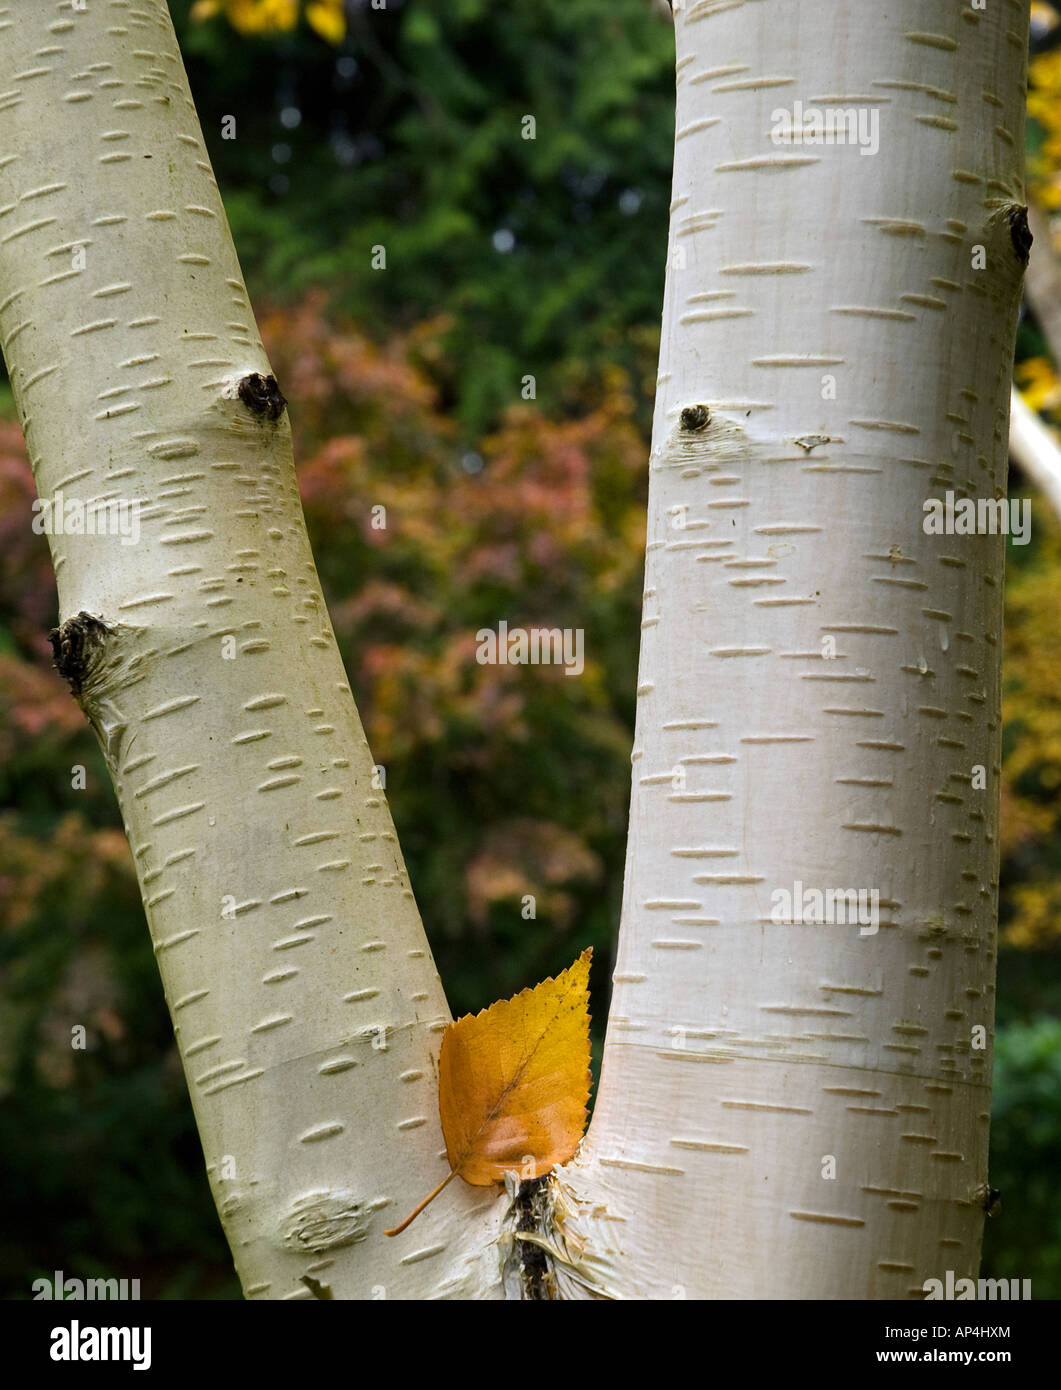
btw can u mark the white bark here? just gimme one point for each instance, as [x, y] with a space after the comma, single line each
[308, 1018]
[742, 1053]
[1035, 449]
[1030, 442]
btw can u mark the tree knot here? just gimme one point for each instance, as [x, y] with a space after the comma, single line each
[77, 646]
[695, 417]
[1020, 233]
[261, 395]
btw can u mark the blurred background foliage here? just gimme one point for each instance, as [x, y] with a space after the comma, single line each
[506, 258]
[546, 254]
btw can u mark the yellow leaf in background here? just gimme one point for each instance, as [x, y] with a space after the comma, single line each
[328, 18]
[1039, 384]
[514, 1083]
[262, 16]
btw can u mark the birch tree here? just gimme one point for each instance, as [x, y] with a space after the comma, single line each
[819, 687]
[786, 1109]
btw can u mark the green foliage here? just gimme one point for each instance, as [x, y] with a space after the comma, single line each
[411, 137]
[1024, 1240]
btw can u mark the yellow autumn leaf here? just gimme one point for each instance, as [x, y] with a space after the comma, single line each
[514, 1083]
[328, 18]
[1039, 383]
[514, 1080]
[263, 16]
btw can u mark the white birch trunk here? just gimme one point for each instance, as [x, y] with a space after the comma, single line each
[1030, 442]
[739, 1052]
[308, 1014]
[1035, 449]
[826, 308]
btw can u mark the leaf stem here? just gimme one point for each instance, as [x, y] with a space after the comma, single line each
[397, 1230]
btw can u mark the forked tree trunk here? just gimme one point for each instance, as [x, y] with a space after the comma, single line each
[832, 356]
